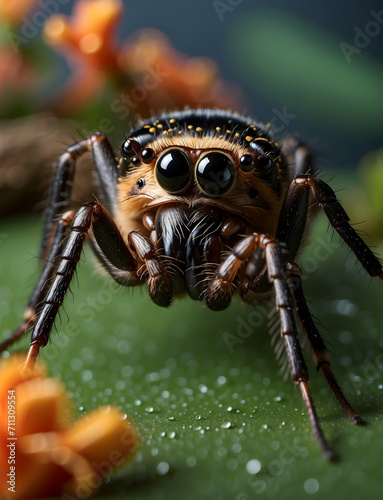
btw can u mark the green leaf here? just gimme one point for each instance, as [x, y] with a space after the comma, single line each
[215, 423]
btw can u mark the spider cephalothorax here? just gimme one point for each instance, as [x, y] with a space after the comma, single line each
[196, 180]
[202, 202]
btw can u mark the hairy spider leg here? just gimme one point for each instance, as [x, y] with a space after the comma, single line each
[290, 230]
[338, 218]
[40, 289]
[94, 217]
[319, 350]
[223, 285]
[59, 200]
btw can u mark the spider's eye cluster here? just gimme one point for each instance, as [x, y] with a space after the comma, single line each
[264, 155]
[262, 158]
[214, 172]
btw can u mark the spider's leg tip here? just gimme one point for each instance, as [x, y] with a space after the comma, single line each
[357, 420]
[330, 456]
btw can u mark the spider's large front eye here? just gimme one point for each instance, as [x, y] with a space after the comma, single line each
[173, 171]
[215, 173]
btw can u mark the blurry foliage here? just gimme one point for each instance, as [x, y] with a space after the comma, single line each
[293, 63]
[108, 78]
[366, 200]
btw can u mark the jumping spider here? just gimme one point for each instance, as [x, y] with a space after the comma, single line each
[212, 192]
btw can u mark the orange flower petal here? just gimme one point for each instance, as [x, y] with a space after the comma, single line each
[12, 375]
[89, 35]
[42, 405]
[50, 458]
[104, 438]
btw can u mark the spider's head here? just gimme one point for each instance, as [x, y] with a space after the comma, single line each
[204, 157]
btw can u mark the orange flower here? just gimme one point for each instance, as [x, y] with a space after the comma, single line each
[147, 73]
[90, 34]
[181, 80]
[13, 12]
[41, 455]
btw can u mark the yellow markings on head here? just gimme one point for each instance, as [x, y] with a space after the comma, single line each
[198, 129]
[190, 127]
[147, 126]
[218, 129]
[248, 138]
[159, 125]
[263, 139]
[191, 140]
[228, 132]
[152, 129]
[173, 120]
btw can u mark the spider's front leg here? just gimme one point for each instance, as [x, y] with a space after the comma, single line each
[40, 289]
[319, 350]
[58, 217]
[219, 293]
[326, 198]
[93, 217]
[291, 226]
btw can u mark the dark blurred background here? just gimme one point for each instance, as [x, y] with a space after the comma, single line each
[311, 67]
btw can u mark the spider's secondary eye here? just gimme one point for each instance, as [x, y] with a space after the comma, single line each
[247, 163]
[140, 183]
[173, 171]
[147, 155]
[127, 150]
[265, 155]
[215, 173]
[265, 162]
[253, 193]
